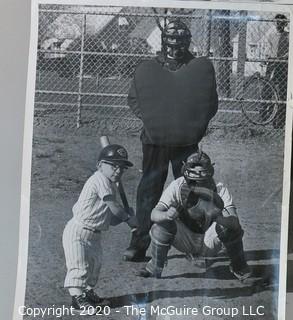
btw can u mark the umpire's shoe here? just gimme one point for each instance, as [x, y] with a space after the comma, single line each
[136, 251]
[82, 304]
[134, 254]
[95, 300]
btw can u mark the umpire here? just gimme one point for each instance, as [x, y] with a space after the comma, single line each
[175, 96]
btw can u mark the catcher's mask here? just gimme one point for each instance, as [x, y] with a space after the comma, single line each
[176, 39]
[198, 168]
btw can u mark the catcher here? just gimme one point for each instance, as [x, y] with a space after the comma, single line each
[198, 218]
[95, 210]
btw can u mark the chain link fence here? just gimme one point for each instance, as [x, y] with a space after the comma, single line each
[87, 56]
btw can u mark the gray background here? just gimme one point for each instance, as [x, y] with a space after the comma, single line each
[14, 29]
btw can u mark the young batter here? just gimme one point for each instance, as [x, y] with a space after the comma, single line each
[95, 210]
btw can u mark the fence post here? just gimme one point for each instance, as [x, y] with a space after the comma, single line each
[207, 33]
[223, 50]
[83, 30]
[241, 53]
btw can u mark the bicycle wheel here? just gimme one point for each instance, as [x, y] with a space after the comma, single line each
[260, 101]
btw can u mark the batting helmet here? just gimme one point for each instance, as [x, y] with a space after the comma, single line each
[198, 167]
[176, 39]
[114, 153]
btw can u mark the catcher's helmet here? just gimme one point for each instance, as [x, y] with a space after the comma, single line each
[176, 39]
[198, 167]
[114, 153]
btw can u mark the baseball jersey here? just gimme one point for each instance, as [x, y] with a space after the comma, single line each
[171, 196]
[90, 210]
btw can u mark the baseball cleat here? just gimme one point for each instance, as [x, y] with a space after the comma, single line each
[145, 273]
[82, 304]
[242, 274]
[95, 300]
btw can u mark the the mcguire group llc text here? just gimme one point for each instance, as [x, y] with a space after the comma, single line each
[195, 311]
[135, 310]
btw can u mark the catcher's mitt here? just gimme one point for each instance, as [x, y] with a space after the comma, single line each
[203, 206]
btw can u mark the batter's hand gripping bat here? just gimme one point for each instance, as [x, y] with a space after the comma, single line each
[104, 140]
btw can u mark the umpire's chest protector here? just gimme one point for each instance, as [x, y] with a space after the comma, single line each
[176, 106]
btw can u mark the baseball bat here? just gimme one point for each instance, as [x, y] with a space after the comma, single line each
[104, 140]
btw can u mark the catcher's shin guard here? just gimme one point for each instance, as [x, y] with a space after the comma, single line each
[156, 265]
[232, 240]
[162, 236]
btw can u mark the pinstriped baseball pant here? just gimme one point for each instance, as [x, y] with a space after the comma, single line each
[83, 255]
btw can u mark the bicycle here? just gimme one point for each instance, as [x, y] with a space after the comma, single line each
[260, 99]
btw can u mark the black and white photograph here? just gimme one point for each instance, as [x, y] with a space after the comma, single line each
[157, 161]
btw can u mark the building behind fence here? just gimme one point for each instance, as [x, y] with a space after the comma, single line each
[87, 56]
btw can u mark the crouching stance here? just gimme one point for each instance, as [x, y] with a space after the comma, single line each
[198, 218]
[95, 210]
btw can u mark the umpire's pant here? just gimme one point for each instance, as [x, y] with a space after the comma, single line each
[155, 170]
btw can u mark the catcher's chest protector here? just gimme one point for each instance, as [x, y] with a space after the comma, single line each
[176, 106]
[196, 221]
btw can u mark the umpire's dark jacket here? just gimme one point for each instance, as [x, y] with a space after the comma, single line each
[175, 106]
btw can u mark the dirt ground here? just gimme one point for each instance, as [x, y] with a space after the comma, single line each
[251, 167]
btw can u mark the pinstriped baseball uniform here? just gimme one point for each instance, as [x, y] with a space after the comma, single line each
[207, 244]
[82, 234]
